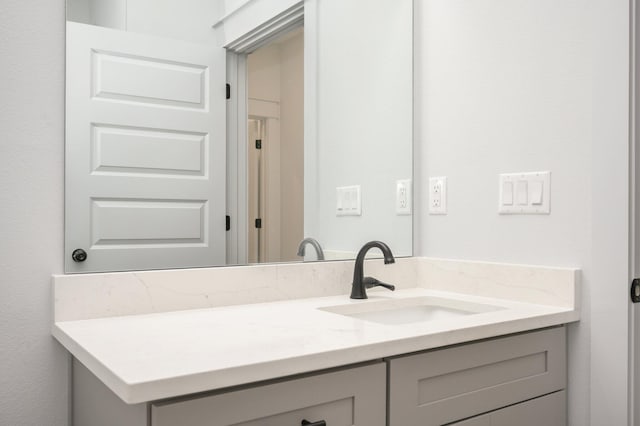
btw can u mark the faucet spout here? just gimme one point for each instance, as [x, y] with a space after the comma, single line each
[315, 244]
[360, 283]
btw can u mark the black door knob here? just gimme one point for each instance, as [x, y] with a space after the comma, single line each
[318, 423]
[79, 255]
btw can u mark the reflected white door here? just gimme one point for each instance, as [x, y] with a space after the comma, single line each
[145, 151]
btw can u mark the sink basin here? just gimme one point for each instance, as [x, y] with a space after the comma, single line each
[410, 310]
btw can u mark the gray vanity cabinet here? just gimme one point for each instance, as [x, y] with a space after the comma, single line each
[355, 396]
[440, 387]
[548, 410]
[517, 380]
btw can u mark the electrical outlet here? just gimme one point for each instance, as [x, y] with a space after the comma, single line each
[438, 195]
[403, 197]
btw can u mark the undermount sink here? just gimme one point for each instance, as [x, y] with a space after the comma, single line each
[410, 310]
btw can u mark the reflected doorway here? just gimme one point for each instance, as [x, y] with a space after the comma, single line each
[275, 149]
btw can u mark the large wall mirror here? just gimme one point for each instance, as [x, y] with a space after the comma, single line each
[306, 155]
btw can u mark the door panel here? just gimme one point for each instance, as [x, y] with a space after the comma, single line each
[134, 150]
[148, 80]
[145, 151]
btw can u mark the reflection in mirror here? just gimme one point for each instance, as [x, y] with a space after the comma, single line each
[309, 151]
[275, 87]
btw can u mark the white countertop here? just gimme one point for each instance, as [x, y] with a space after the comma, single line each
[160, 355]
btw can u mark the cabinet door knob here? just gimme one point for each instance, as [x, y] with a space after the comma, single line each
[79, 255]
[318, 423]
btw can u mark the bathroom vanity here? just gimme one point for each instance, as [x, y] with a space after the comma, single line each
[493, 350]
[514, 380]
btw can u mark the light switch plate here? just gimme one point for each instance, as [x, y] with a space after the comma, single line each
[524, 193]
[403, 197]
[348, 202]
[438, 195]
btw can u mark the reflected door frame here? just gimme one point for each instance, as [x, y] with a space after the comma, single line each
[269, 114]
[303, 13]
[236, 197]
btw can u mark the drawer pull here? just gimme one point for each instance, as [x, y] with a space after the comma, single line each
[318, 423]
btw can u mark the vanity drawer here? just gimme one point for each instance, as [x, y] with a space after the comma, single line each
[441, 386]
[548, 410]
[354, 396]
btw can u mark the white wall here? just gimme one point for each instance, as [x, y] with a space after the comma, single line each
[522, 85]
[34, 370]
[79, 11]
[103, 13]
[364, 137]
[183, 20]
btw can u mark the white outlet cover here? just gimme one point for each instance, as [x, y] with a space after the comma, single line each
[438, 195]
[403, 197]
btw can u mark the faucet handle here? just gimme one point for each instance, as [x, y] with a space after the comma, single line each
[372, 282]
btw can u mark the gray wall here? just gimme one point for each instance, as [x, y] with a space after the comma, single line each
[528, 85]
[34, 369]
[361, 141]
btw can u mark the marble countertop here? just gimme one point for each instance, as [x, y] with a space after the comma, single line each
[152, 356]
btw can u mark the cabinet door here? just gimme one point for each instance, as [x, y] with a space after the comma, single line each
[355, 396]
[549, 410]
[441, 386]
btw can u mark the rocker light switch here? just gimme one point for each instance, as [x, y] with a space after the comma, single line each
[524, 193]
[536, 192]
[348, 202]
[507, 193]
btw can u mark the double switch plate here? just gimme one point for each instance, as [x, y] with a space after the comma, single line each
[524, 193]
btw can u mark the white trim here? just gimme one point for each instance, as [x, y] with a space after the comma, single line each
[608, 273]
[289, 19]
[634, 220]
[236, 159]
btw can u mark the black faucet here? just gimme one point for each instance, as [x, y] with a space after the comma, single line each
[316, 246]
[361, 283]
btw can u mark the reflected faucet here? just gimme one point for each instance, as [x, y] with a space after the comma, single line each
[361, 283]
[314, 243]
